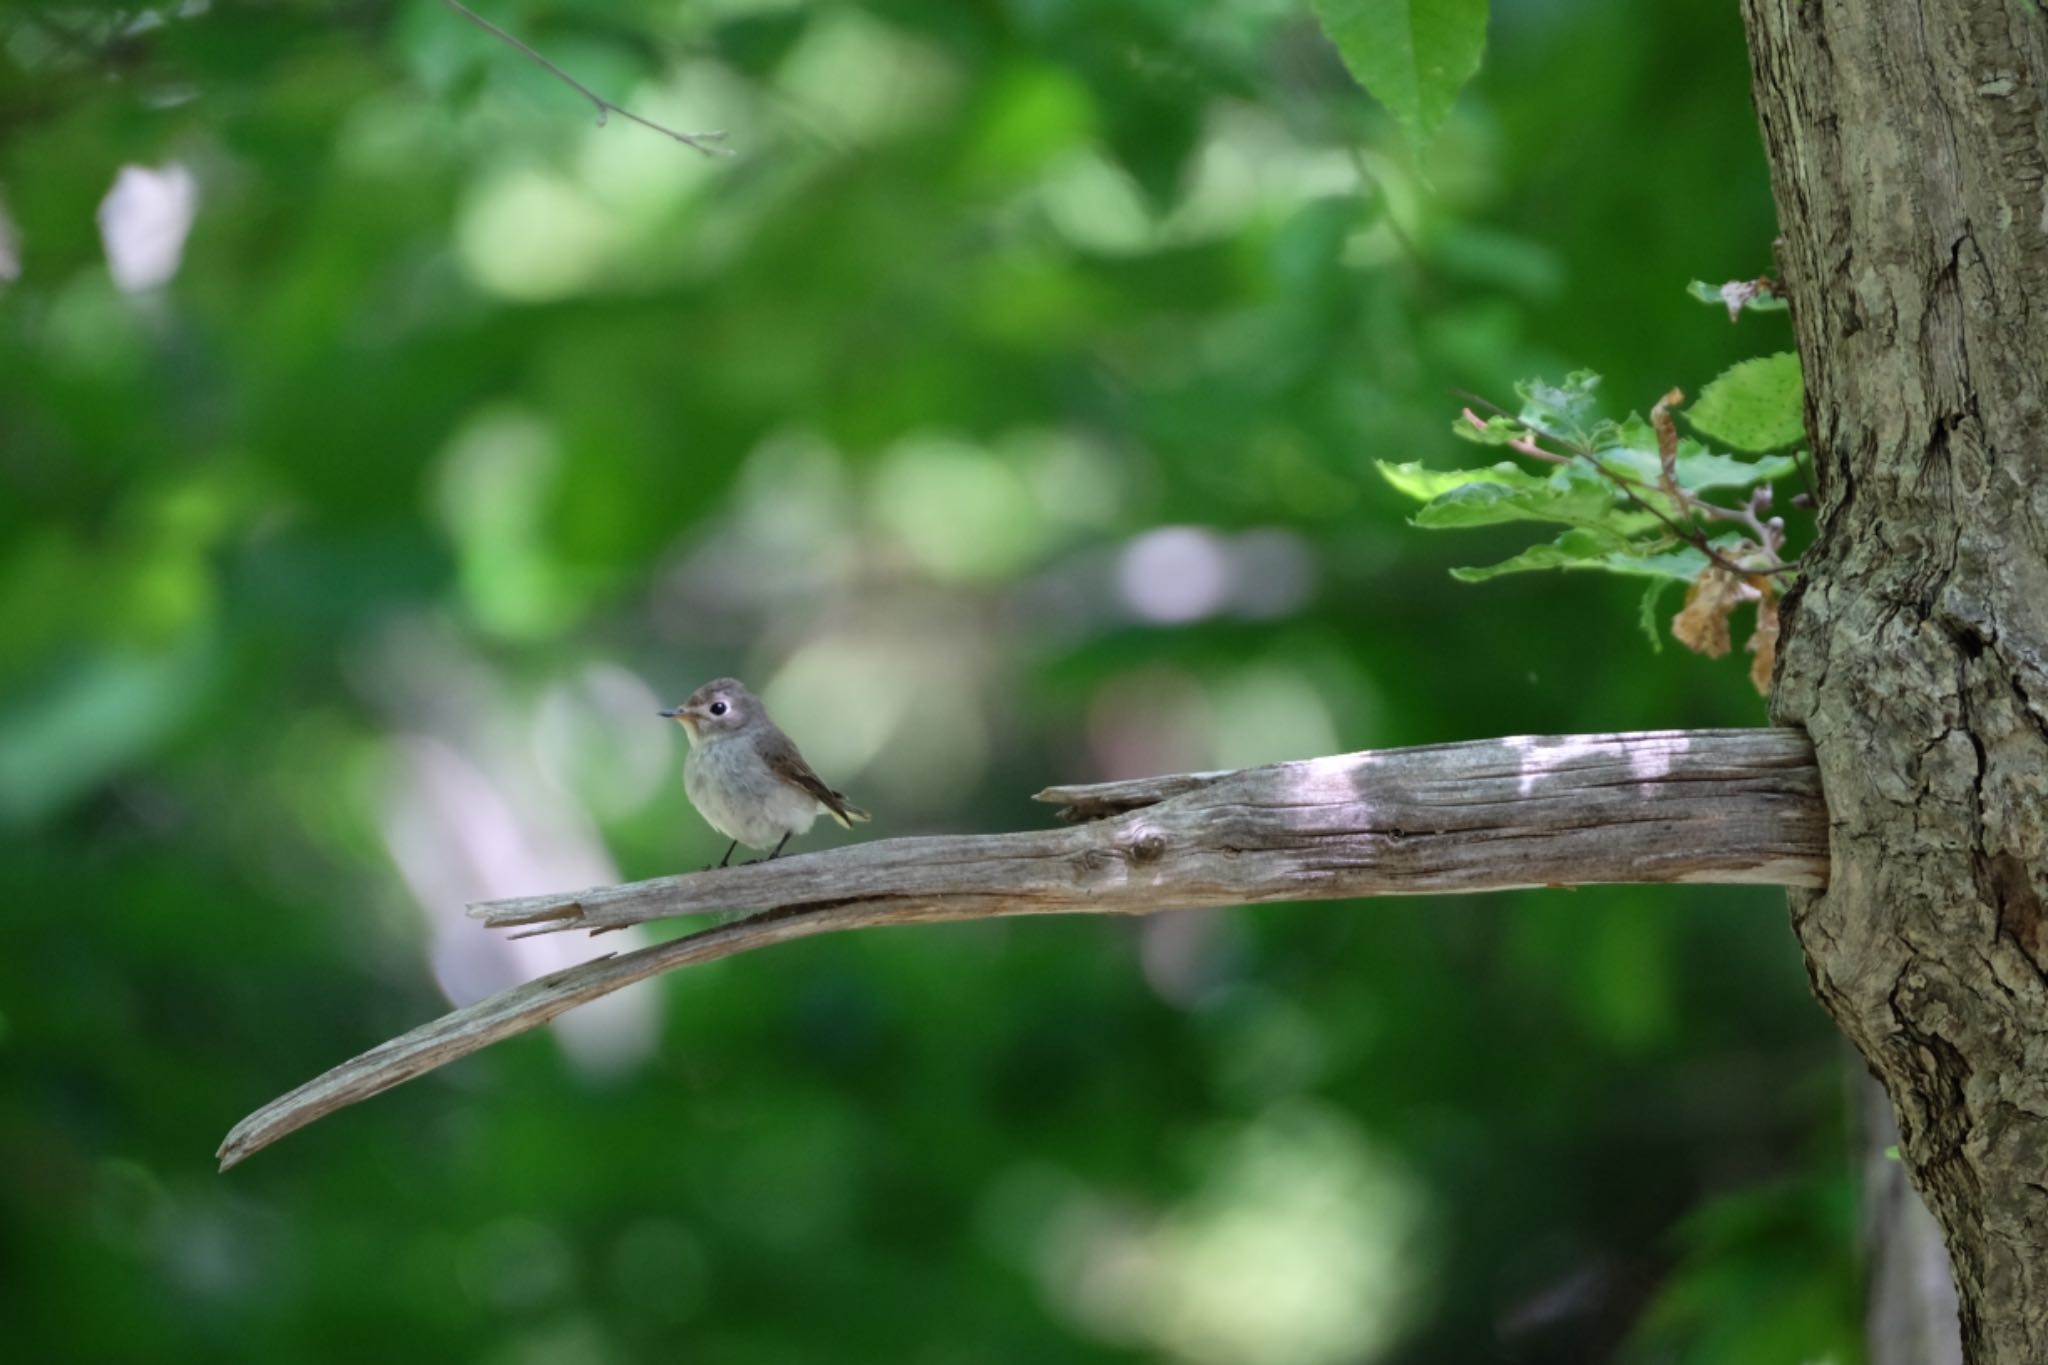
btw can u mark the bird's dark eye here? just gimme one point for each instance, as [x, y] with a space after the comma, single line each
[718, 708]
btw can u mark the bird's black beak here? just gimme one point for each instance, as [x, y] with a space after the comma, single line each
[666, 715]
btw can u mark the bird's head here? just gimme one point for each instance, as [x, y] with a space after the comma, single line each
[720, 707]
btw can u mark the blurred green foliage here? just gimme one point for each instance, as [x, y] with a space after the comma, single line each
[385, 442]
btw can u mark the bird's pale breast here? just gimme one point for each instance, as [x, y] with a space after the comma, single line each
[733, 789]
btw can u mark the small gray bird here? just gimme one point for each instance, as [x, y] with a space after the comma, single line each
[744, 776]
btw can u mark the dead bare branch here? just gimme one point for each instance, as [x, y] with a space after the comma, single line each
[1720, 806]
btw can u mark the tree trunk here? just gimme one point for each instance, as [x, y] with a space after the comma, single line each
[1909, 156]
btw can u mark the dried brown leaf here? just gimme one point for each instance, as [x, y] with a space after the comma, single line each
[1763, 642]
[1702, 624]
[1667, 442]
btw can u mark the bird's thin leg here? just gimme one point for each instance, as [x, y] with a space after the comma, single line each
[728, 852]
[778, 848]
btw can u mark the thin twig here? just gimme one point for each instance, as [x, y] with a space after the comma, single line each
[605, 108]
[1767, 535]
[1521, 444]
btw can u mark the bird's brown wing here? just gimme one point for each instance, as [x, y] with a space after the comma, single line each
[780, 753]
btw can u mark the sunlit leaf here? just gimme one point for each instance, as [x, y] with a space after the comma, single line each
[1756, 405]
[1488, 504]
[1424, 484]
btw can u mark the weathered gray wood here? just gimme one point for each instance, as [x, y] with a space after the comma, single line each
[477, 1026]
[1727, 806]
[1909, 156]
[1486, 815]
[1092, 801]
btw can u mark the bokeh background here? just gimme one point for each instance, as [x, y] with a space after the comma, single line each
[381, 442]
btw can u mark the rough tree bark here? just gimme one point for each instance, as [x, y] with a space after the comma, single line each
[1909, 156]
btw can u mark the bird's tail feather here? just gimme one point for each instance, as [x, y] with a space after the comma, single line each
[847, 815]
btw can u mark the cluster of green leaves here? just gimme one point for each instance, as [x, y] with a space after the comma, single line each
[1626, 503]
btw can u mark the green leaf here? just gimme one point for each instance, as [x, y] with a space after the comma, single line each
[1683, 564]
[1756, 405]
[1570, 410]
[1574, 495]
[1424, 484]
[1705, 469]
[1571, 550]
[1578, 549]
[1412, 56]
[1489, 504]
